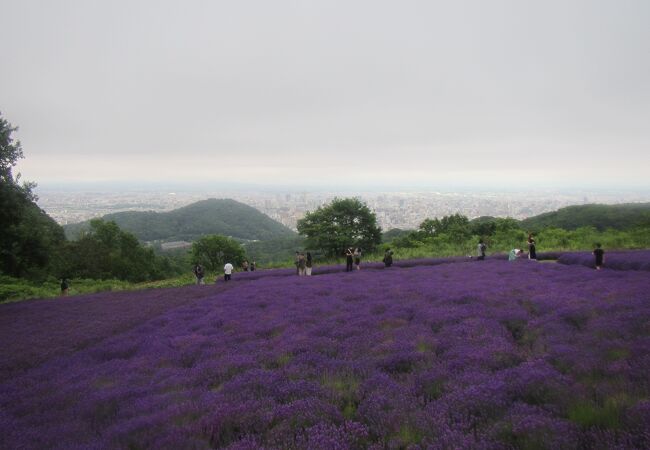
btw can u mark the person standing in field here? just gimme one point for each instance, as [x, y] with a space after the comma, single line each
[296, 261]
[599, 254]
[253, 266]
[199, 273]
[481, 250]
[302, 264]
[308, 264]
[532, 252]
[388, 258]
[348, 260]
[227, 271]
[357, 258]
[64, 287]
[244, 265]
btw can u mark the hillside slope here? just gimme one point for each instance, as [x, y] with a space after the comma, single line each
[620, 217]
[214, 216]
[490, 354]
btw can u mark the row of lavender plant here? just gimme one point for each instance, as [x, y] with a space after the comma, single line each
[616, 260]
[34, 331]
[489, 355]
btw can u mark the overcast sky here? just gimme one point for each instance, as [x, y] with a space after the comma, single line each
[523, 93]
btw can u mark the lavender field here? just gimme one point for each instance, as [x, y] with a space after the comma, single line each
[475, 355]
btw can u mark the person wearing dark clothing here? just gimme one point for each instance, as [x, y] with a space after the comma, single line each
[64, 287]
[199, 273]
[296, 262]
[308, 265]
[244, 266]
[599, 253]
[348, 260]
[253, 266]
[388, 257]
[532, 253]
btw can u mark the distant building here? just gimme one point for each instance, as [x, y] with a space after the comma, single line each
[175, 245]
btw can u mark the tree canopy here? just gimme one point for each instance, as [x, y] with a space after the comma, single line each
[29, 238]
[105, 251]
[340, 224]
[214, 251]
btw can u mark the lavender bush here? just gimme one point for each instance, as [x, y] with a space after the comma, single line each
[483, 355]
[617, 260]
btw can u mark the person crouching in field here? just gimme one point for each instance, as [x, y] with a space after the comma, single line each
[599, 254]
[514, 254]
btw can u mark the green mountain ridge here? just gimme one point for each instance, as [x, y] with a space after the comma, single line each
[620, 217]
[213, 216]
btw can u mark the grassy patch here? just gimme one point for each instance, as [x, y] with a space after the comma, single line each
[606, 415]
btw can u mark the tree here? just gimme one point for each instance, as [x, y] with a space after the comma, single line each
[214, 251]
[29, 237]
[105, 251]
[10, 151]
[341, 224]
[455, 226]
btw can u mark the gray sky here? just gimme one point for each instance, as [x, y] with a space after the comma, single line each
[516, 92]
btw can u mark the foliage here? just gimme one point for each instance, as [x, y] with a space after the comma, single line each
[393, 233]
[214, 251]
[29, 237]
[273, 251]
[214, 216]
[340, 224]
[10, 151]
[602, 217]
[105, 252]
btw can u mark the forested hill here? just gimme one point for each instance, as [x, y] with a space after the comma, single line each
[214, 216]
[620, 217]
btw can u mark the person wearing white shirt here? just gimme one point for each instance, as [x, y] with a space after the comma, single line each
[227, 271]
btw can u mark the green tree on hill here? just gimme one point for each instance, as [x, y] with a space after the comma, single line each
[30, 238]
[214, 251]
[341, 224]
[105, 251]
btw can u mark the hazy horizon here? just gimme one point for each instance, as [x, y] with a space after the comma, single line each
[504, 94]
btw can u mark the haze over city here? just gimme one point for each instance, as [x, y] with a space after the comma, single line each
[516, 94]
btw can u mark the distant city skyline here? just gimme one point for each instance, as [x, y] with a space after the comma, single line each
[396, 209]
[514, 94]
